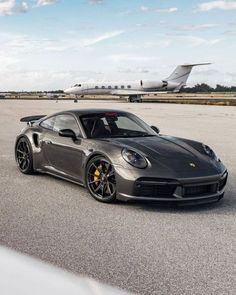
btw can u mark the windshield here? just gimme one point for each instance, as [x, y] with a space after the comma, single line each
[113, 124]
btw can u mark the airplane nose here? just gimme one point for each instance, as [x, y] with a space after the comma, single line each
[67, 91]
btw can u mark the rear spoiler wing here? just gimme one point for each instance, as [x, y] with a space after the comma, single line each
[31, 119]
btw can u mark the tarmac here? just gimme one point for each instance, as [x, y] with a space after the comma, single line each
[143, 248]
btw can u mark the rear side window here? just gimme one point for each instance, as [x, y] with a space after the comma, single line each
[48, 123]
[66, 122]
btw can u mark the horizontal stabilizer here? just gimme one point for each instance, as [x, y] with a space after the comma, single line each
[194, 65]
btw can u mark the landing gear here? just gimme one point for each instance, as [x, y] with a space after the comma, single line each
[135, 98]
[76, 98]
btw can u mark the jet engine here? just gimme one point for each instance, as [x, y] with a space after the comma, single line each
[153, 84]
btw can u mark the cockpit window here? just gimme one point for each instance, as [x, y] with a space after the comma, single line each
[77, 85]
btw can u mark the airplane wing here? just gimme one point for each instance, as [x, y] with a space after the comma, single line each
[130, 92]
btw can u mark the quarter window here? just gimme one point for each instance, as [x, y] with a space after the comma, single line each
[48, 123]
[66, 121]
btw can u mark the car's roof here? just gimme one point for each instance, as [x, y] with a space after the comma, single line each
[80, 112]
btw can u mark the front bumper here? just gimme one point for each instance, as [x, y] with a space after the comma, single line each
[188, 190]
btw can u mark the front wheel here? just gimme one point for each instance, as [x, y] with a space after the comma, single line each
[23, 154]
[100, 179]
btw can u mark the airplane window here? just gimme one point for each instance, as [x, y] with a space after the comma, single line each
[129, 86]
[116, 87]
[122, 86]
[77, 85]
[109, 87]
[96, 87]
[103, 87]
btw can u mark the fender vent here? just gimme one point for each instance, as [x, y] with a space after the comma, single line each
[36, 139]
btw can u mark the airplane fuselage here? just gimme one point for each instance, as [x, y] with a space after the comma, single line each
[124, 88]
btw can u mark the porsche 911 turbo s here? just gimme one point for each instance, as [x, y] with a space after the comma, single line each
[118, 156]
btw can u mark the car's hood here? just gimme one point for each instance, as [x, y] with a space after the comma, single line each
[170, 152]
[160, 146]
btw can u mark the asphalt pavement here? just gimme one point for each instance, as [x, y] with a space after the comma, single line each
[140, 247]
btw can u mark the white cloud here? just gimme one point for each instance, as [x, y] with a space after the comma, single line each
[7, 7]
[230, 32]
[106, 36]
[125, 57]
[219, 4]
[135, 70]
[45, 2]
[94, 2]
[192, 27]
[164, 10]
[10, 7]
[194, 41]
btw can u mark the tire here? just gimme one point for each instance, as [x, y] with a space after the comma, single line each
[100, 179]
[131, 99]
[23, 155]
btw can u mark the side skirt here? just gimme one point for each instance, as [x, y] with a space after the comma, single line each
[60, 177]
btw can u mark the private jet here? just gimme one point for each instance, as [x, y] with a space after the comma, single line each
[135, 90]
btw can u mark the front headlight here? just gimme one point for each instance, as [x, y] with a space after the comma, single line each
[210, 152]
[134, 159]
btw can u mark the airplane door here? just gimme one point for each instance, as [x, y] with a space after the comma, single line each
[85, 89]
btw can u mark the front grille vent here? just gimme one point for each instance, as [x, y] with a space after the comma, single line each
[200, 190]
[154, 188]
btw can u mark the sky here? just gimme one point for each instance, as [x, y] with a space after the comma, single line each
[53, 44]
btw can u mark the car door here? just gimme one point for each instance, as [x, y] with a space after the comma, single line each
[64, 154]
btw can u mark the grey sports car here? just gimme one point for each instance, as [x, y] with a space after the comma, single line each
[118, 156]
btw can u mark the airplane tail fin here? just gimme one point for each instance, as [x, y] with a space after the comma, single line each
[182, 72]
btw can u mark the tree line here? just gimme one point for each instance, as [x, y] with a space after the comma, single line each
[203, 87]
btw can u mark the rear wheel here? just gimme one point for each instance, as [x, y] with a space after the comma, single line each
[100, 179]
[23, 154]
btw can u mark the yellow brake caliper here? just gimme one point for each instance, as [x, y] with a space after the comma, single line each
[96, 176]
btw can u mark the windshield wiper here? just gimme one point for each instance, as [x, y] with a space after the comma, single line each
[148, 135]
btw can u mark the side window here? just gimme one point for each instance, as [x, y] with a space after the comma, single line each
[66, 122]
[48, 123]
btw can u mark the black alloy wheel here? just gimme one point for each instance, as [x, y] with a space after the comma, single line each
[23, 155]
[100, 179]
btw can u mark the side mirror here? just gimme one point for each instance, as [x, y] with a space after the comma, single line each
[156, 129]
[67, 133]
